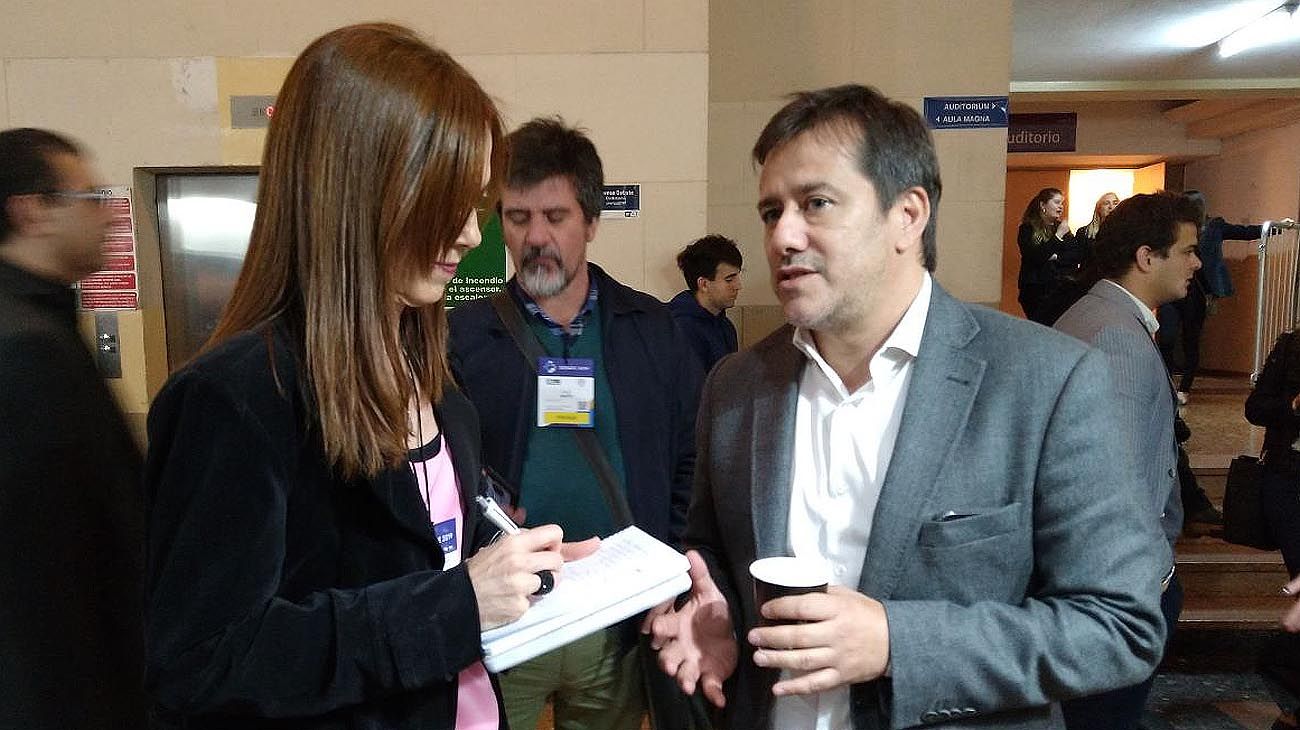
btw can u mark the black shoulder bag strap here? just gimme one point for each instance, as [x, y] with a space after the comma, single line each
[590, 447]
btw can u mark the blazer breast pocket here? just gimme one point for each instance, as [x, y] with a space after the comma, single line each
[973, 555]
[958, 527]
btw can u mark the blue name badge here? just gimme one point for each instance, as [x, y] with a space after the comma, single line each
[445, 533]
[566, 392]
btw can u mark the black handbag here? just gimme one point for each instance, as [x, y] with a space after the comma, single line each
[1244, 522]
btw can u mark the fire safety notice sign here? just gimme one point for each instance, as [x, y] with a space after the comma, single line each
[117, 285]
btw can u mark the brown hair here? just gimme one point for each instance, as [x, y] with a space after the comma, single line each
[888, 140]
[1033, 214]
[373, 163]
[702, 256]
[1149, 220]
[543, 148]
[27, 166]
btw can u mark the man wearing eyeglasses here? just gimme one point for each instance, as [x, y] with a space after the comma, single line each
[71, 521]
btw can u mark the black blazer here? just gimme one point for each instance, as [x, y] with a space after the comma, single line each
[279, 594]
[71, 525]
[1038, 270]
[1269, 404]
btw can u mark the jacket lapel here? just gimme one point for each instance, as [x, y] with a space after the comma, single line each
[944, 382]
[399, 492]
[464, 462]
[771, 443]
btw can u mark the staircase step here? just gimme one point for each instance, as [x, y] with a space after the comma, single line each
[1232, 581]
[1218, 612]
[1214, 480]
[1212, 553]
[1225, 586]
[1229, 586]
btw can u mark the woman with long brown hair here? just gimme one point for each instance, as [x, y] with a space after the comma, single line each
[1042, 239]
[311, 474]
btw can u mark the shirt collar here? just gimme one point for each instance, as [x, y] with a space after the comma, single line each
[700, 309]
[579, 322]
[1148, 317]
[906, 336]
[902, 344]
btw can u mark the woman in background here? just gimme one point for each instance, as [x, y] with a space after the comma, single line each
[1071, 278]
[1042, 239]
[1086, 236]
[1274, 403]
[315, 560]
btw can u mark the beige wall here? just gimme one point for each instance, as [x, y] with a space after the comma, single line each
[761, 50]
[1256, 178]
[147, 83]
[673, 91]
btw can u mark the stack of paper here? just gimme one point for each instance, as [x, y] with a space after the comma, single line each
[629, 573]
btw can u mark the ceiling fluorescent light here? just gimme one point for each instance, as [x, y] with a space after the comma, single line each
[1204, 28]
[1280, 25]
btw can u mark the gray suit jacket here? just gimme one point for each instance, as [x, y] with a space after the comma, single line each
[1048, 588]
[1109, 320]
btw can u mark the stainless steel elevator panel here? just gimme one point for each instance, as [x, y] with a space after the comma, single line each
[204, 221]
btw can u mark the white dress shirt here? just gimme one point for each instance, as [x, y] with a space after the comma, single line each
[843, 443]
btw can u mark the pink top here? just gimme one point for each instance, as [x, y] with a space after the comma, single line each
[476, 703]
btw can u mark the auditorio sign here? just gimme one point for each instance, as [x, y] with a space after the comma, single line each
[1042, 132]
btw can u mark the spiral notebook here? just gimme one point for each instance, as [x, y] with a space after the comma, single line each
[630, 573]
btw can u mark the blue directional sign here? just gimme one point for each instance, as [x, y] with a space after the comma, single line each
[966, 112]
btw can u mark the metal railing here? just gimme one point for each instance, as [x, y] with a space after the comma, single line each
[1277, 286]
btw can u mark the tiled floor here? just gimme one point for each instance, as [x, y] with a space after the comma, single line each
[1207, 682]
[1215, 412]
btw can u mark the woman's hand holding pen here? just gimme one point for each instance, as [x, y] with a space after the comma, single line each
[504, 574]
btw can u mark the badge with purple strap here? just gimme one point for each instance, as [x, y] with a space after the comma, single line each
[566, 391]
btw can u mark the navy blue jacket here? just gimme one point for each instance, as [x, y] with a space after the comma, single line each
[712, 336]
[652, 373]
[1214, 272]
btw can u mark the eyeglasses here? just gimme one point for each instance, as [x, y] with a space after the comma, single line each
[100, 197]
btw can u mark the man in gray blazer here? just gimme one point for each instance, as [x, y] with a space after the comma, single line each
[953, 467]
[1146, 255]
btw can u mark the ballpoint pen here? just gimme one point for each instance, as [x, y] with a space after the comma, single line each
[497, 516]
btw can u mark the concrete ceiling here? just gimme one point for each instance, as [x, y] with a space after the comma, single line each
[1145, 49]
